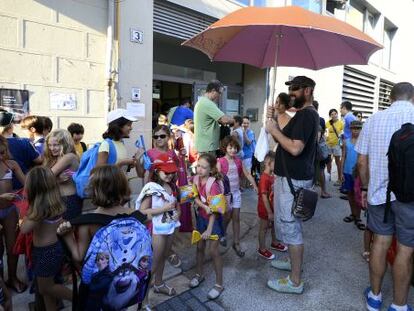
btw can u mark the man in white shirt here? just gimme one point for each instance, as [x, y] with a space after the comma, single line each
[372, 147]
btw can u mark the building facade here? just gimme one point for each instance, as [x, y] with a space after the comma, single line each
[80, 58]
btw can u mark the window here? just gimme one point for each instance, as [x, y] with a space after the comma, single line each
[331, 5]
[389, 32]
[311, 5]
[355, 15]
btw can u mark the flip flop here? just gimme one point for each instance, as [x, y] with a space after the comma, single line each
[349, 218]
[359, 224]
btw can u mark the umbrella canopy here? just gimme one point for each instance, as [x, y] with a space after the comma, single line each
[284, 36]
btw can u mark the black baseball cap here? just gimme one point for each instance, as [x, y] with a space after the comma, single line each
[301, 81]
[6, 118]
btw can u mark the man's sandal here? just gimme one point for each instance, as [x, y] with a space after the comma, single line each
[164, 289]
[215, 292]
[360, 225]
[349, 218]
[196, 280]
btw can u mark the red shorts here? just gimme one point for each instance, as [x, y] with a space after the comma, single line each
[262, 212]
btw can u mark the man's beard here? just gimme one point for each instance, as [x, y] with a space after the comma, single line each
[298, 102]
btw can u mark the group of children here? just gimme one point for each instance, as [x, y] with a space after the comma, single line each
[54, 207]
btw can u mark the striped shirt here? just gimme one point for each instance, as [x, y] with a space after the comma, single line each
[233, 175]
[374, 141]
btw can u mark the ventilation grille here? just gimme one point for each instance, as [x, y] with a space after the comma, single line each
[359, 88]
[177, 21]
[384, 94]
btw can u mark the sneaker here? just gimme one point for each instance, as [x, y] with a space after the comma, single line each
[280, 247]
[282, 264]
[266, 254]
[285, 285]
[372, 304]
[409, 308]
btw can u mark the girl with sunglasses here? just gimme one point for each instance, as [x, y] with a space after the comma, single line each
[161, 138]
[158, 200]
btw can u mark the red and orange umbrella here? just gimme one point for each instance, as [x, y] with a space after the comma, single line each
[284, 36]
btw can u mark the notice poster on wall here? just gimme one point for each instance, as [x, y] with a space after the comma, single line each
[62, 101]
[15, 101]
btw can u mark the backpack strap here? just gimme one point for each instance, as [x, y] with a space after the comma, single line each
[209, 184]
[224, 165]
[387, 204]
[103, 220]
[84, 148]
[239, 165]
[112, 156]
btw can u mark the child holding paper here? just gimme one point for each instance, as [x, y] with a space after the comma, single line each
[208, 223]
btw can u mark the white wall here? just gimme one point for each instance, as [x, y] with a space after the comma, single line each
[56, 46]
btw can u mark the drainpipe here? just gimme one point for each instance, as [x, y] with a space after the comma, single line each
[108, 57]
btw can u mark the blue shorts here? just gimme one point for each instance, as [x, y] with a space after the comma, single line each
[348, 183]
[218, 227]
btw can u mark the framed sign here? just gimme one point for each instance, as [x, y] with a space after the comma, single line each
[15, 101]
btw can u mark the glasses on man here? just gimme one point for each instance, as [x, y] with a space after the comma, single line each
[294, 88]
[359, 116]
[162, 136]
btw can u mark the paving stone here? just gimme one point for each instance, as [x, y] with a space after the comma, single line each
[199, 294]
[195, 305]
[186, 295]
[213, 306]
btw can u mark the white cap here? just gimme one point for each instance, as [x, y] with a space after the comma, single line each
[119, 113]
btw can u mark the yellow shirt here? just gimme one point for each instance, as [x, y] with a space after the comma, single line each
[121, 152]
[79, 149]
[332, 139]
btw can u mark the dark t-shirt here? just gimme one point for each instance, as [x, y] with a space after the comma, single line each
[24, 153]
[303, 126]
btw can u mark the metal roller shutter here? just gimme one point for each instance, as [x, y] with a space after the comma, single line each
[384, 94]
[177, 21]
[358, 87]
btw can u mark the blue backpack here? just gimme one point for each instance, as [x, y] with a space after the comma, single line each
[116, 270]
[87, 163]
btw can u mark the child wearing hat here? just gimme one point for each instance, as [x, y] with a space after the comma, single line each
[158, 198]
[349, 161]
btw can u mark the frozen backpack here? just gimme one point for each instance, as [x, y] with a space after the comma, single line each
[87, 163]
[116, 270]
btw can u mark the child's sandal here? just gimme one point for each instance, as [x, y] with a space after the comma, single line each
[196, 280]
[237, 249]
[215, 292]
[164, 289]
[366, 255]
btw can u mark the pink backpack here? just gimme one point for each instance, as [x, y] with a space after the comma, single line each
[224, 187]
[224, 164]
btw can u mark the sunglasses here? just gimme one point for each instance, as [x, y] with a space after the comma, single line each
[294, 88]
[162, 136]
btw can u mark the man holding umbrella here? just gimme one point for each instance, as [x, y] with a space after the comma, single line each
[297, 148]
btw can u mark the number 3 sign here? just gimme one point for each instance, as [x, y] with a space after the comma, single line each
[137, 36]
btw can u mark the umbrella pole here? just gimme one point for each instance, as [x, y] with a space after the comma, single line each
[272, 82]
